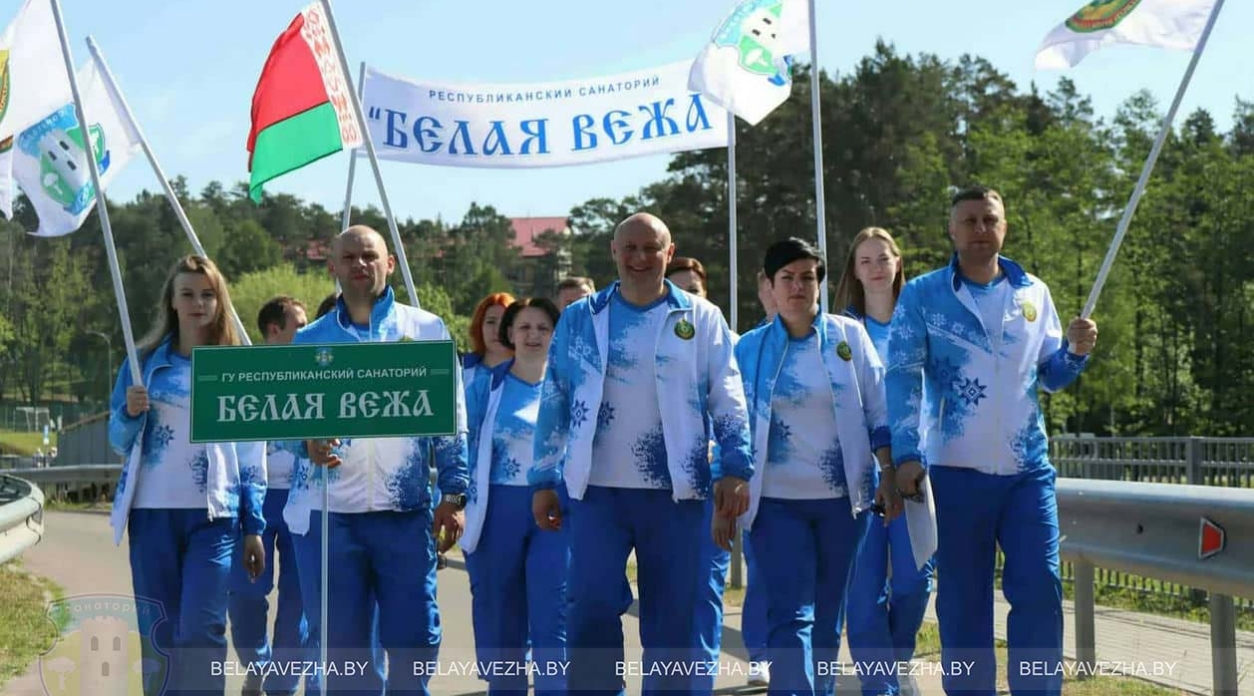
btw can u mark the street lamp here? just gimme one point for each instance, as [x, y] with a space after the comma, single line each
[109, 360]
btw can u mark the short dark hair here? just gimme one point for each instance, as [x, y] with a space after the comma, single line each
[786, 251]
[576, 283]
[975, 193]
[511, 313]
[328, 303]
[684, 263]
[274, 311]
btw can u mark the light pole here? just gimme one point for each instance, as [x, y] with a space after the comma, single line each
[108, 359]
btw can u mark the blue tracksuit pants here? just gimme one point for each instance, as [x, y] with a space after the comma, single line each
[884, 615]
[753, 610]
[976, 513]
[805, 551]
[377, 559]
[182, 561]
[518, 586]
[709, 611]
[606, 526]
[249, 607]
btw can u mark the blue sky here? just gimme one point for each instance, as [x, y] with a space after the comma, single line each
[188, 70]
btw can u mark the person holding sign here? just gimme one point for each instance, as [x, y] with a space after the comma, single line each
[183, 505]
[382, 528]
[638, 376]
[517, 571]
[983, 335]
[815, 390]
[883, 617]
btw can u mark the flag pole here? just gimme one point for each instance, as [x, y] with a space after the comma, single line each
[111, 252]
[374, 159]
[120, 99]
[731, 217]
[820, 205]
[352, 159]
[1141, 183]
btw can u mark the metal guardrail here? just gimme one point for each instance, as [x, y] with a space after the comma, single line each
[21, 516]
[1200, 536]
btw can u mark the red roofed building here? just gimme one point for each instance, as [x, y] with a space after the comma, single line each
[540, 270]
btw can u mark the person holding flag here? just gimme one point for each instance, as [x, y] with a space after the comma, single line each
[982, 335]
[183, 505]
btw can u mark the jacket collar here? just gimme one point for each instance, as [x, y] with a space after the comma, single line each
[1014, 272]
[675, 298]
[382, 307]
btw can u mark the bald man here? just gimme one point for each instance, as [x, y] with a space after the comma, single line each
[639, 375]
[382, 528]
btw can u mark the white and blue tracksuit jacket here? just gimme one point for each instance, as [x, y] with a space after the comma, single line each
[235, 479]
[857, 384]
[483, 398]
[698, 388]
[982, 409]
[379, 473]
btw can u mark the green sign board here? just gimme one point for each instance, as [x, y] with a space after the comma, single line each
[342, 390]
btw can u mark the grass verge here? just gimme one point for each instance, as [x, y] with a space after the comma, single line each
[25, 632]
[24, 444]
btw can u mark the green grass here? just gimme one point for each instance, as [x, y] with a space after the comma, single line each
[24, 444]
[928, 648]
[25, 632]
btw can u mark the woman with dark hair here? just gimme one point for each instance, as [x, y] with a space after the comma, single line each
[815, 391]
[183, 504]
[517, 570]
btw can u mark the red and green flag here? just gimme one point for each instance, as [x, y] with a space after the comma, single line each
[301, 109]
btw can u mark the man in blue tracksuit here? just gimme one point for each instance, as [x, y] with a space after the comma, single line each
[279, 320]
[381, 523]
[984, 336]
[638, 376]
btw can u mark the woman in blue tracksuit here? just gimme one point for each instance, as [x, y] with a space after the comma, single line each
[181, 504]
[486, 348]
[815, 392]
[884, 615]
[517, 571]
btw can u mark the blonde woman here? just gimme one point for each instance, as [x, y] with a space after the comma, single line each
[183, 504]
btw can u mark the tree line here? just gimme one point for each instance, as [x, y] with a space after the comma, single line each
[900, 133]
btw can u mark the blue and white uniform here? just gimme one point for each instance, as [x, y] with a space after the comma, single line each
[983, 352]
[818, 412]
[517, 571]
[632, 398]
[183, 505]
[378, 495]
[249, 606]
[884, 617]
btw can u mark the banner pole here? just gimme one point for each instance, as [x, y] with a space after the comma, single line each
[820, 204]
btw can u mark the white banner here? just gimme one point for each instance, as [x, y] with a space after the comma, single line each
[551, 124]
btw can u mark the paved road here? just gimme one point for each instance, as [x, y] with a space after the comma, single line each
[78, 553]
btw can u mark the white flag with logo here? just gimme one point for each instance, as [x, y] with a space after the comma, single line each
[1172, 24]
[747, 66]
[50, 157]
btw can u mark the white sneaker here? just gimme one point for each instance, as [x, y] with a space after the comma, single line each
[759, 674]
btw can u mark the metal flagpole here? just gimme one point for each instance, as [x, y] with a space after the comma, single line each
[171, 196]
[820, 205]
[1141, 183]
[346, 216]
[111, 251]
[374, 160]
[731, 217]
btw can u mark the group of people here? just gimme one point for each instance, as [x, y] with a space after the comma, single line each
[629, 421]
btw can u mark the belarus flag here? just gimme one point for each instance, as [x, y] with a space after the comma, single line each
[301, 108]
